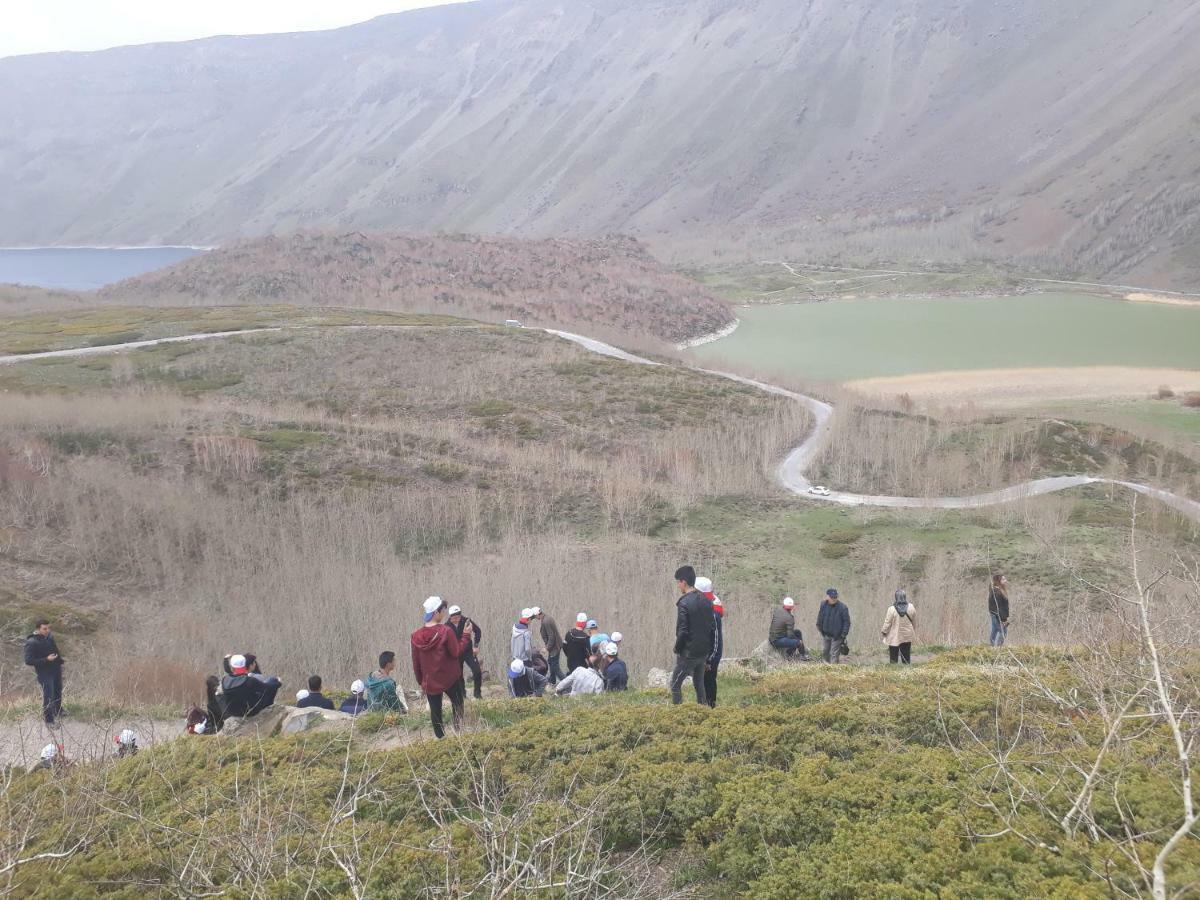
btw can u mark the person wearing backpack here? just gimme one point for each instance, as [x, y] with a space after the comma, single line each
[899, 628]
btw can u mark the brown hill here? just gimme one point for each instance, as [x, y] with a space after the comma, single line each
[603, 286]
[1061, 135]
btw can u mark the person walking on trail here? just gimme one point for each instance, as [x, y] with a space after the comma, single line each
[833, 624]
[616, 675]
[553, 642]
[314, 699]
[357, 701]
[998, 610]
[576, 644]
[521, 645]
[705, 586]
[458, 622]
[783, 634]
[41, 653]
[525, 681]
[695, 634]
[584, 680]
[382, 692]
[437, 658]
[243, 693]
[899, 628]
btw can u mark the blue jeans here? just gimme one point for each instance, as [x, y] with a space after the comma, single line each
[556, 674]
[787, 644]
[999, 631]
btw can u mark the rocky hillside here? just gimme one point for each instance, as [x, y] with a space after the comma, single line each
[609, 285]
[1059, 135]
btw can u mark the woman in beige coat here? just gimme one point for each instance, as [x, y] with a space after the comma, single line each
[899, 629]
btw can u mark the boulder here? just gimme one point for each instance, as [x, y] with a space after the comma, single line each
[661, 678]
[313, 719]
[264, 724]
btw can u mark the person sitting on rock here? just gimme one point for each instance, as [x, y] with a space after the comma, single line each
[616, 676]
[243, 694]
[357, 701]
[524, 681]
[313, 696]
[382, 693]
[783, 633]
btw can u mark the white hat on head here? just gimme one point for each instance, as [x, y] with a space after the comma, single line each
[127, 736]
[526, 613]
[357, 687]
[535, 611]
[610, 649]
[703, 585]
[455, 610]
[581, 618]
[788, 602]
[237, 661]
[516, 669]
[617, 637]
[301, 695]
[432, 605]
[50, 751]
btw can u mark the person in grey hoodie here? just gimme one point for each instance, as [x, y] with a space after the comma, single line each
[522, 639]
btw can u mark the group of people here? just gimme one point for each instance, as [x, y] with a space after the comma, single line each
[447, 641]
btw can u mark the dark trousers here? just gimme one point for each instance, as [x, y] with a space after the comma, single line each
[472, 663]
[457, 695]
[51, 681]
[901, 653]
[710, 683]
[555, 673]
[685, 666]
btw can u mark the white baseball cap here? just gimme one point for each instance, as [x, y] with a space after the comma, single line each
[455, 610]
[610, 649]
[616, 637]
[703, 585]
[357, 687]
[431, 606]
[237, 661]
[516, 669]
[526, 613]
[50, 751]
[581, 618]
[788, 602]
[301, 695]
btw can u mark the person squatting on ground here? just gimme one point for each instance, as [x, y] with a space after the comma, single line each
[616, 675]
[552, 641]
[899, 628]
[52, 757]
[313, 698]
[437, 658]
[584, 680]
[833, 624]
[127, 743]
[524, 681]
[244, 693]
[382, 692]
[41, 653]
[694, 636]
[998, 610]
[458, 622]
[783, 633]
[705, 586]
[576, 644]
[357, 701]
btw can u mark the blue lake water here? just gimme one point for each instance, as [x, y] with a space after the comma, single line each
[84, 268]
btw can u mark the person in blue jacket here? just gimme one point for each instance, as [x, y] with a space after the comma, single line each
[616, 675]
[357, 701]
[833, 623]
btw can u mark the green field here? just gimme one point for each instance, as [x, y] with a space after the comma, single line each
[844, 340]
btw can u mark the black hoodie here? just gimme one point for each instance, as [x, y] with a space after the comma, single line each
[576, 645]
[37, 648]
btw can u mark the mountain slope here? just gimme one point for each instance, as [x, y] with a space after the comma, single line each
[1063, 134]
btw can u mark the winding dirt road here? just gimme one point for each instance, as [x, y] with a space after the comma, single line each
[791, 472]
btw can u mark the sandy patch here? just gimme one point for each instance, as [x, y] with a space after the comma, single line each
[1011, 387]
[1170, 300]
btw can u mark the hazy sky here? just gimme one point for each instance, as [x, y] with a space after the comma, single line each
[34, 26]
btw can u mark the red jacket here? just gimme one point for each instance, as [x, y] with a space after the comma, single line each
[437, 655]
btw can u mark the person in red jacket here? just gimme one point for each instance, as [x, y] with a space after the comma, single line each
[437, 654]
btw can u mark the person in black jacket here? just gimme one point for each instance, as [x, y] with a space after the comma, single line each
[457, 621]
[577, 644]
[695, 636]
[243, 693]
[713, 663]
[833, 624]
[998, 609]
[41, 652]
[315, 698]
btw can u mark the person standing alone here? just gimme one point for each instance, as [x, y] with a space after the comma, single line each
[833, 624]
[437, 655]
[695, 634]
[899, 628]
[41, 652]
[998, 610]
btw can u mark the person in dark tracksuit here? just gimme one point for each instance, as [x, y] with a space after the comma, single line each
[705, 586]
[41, 652]
[471, 659]
[695, 634]
[577, 644]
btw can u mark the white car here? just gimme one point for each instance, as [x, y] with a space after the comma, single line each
[820, 490]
